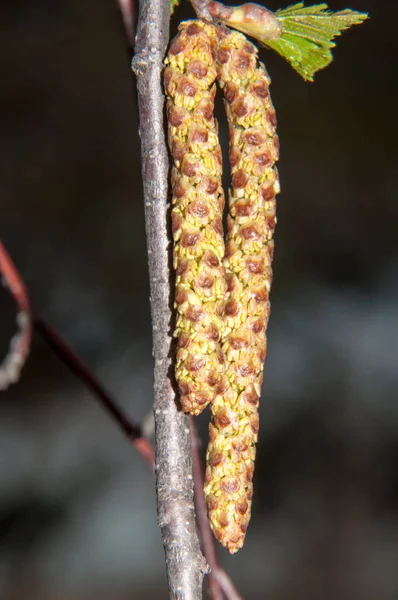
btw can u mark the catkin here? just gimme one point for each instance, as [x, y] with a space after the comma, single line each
[248, 255]
[198, 202]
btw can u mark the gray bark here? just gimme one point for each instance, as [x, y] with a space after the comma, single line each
[184, 561]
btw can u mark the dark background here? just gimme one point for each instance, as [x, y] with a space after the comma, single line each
[77, 506]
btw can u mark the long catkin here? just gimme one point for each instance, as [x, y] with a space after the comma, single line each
[198, 202]
[253, 152]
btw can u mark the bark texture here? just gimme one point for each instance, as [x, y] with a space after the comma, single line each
[184, 561]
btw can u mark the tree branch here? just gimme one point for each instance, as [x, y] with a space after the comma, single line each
[12, 364]
[206, 537]
[184, 561]
[16, 284]
[131, 430]
[230, 591]
[201, 7]
[220, 584]
[128, 12]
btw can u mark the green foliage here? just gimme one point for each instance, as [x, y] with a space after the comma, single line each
[173, 5]
[308, 34]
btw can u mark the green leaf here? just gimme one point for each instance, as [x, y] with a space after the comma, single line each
[308, 33]
[173, 5]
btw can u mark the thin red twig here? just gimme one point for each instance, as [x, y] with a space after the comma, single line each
[220, 584]
[228, 587]
[12, 364]
[205, 535]
[78, 368]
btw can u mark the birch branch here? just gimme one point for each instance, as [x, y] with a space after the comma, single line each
[174, 485]
[128, 12]
[14, 281]
[201, 7]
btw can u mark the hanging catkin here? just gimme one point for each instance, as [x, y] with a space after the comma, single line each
[198, 202]
[248, 255]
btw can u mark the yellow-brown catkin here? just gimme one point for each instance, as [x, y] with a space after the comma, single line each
[248, 255]
[198, 202]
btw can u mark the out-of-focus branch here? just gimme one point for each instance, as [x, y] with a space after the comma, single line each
[128, 11]
[205, 535]
[230, 591]
[15, 283]
[220, 584]
[12, 364]
[174, 484]
[78, 368]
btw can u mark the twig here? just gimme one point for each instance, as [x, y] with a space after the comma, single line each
[18, 289]
[78, 368]
[184, 561]
[228, 587]
[12, 364]
[128, 11]
[201, 9]
[205, 534]
[220, 583]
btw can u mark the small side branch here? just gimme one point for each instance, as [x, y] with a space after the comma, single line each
[12, 364]
[128, 12]
[131, 430]
[201, 7]
[219, 580]
[220, 584]
[206, 537]
[15, 283]
[184, 561]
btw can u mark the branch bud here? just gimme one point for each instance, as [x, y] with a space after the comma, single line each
[252, 19]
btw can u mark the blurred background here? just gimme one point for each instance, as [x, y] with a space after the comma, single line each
[77, 505]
